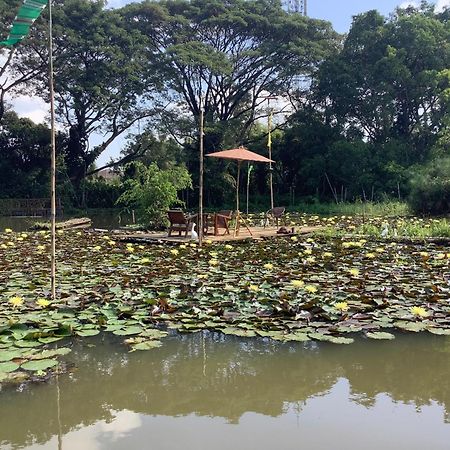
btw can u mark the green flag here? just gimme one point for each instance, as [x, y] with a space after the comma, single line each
[28, 13]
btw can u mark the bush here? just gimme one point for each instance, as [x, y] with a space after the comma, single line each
[152, 191]
[102, 194]
[430, 188]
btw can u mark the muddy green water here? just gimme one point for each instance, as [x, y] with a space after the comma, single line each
[215, 392]
[106, 219]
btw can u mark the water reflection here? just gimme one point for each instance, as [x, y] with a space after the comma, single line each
[215, 382]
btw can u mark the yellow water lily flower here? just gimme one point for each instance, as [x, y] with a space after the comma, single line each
[11, 244]
[228, 287]
[141, 247]
[3, 246]
[97, 248]
[311, 289]
[419, 311]
[294, 238]
[341, 306]
[310, 259]
[354, 272]
[24, 235]
[144, 260]
[130, 249]
[41, 247]
[174, 251]
[129, 244]
[424, 254]
[328, 255]
[308, 251]
[213, 254]
[8, 230]
[253, 288]
[268, 266]
[228, 247]
[192, 245]
[42, 302]
[297, 283]
[106, 238]
[370, 255]
[60, 231]
[20, 238]
[379, 250]
[213, 262]
[16, 301]
[202, 275]
[208, 241]
[111, 243]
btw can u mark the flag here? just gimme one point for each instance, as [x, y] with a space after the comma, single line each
[28, 13]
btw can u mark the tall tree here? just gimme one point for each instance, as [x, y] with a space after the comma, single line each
[103, 81]
[387, 79]
[13, 77]
[233, 54]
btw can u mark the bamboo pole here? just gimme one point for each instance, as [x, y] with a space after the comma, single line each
[200, 189]
[269, 145]
[53, 154]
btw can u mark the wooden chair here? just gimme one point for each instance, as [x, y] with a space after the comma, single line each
[180, 222]
[274, 215]
[216, 221]
[221, 220]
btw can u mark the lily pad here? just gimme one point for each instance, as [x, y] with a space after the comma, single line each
[9, 366]
[146, 345]
[42, 364]
[87, 333]
[128, 331]
[439, 331]
[379, 335]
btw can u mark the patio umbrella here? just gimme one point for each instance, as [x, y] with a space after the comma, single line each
[239, 154]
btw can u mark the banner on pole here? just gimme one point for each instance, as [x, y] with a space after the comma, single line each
[28, 13]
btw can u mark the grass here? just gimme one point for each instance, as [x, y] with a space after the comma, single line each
[370, 209]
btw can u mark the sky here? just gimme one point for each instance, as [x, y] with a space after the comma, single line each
[338, 12]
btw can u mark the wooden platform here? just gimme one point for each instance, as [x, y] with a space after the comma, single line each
[258, 234]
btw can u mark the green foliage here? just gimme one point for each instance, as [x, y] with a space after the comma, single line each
[101, 193]
[152, 191]
[24, 158]
[430, 188]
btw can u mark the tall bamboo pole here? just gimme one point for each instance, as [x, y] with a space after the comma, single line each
[53, 154]
[269, 145]
[200, 183]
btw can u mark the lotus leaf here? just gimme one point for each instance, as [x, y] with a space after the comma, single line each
[41, 364]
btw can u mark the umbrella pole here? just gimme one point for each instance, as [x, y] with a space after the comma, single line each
[238, 214]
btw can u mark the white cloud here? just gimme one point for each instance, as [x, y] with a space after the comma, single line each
[407, 4]
[442, 4]
[32, 107]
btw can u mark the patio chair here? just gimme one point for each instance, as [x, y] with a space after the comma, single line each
[180, 222]
[274, 215]
[221, 220]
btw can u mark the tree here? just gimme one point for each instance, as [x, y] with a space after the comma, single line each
[12, 78]
[231, 53]
[103, 83]
[152, 191]
[386, 81]
[24, 158]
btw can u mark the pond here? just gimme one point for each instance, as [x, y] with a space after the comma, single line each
[210, 391]
[107, 219]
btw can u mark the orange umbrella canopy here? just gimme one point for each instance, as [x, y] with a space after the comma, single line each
[240, 154]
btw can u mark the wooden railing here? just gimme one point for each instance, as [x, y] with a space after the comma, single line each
[35, 207]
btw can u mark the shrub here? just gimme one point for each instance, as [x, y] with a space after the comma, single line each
[152, 191]
[430, 188]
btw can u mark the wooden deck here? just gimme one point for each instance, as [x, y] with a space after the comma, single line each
[258, 234]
